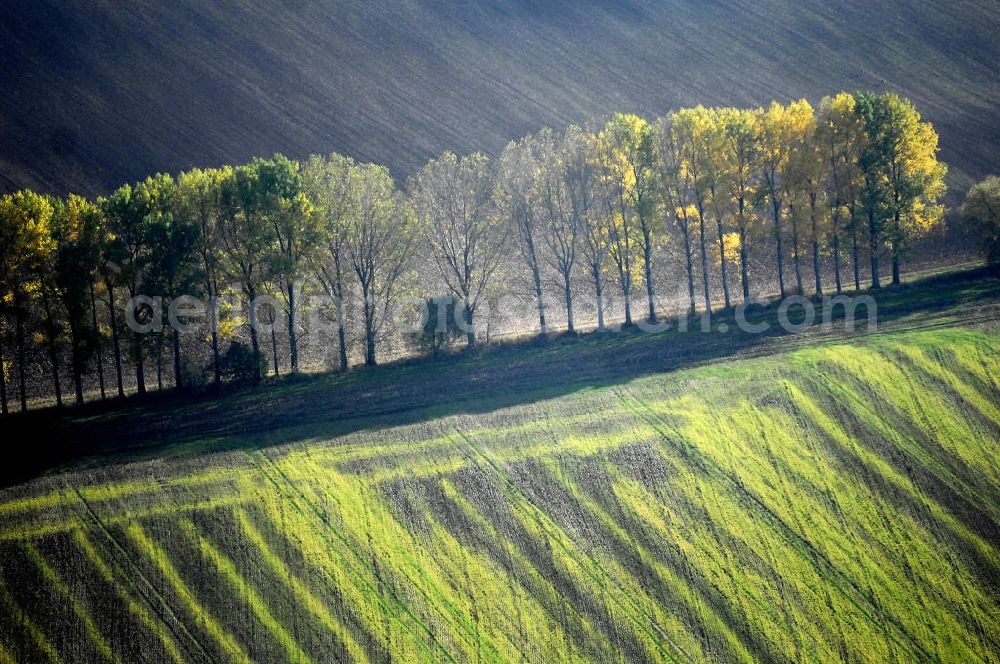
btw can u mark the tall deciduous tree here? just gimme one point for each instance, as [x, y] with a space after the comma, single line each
[25, 242]
[675, 189]
[175, 269]
[247, 242]
[130, 213]
[199, 202]
[461, 226]
[775, 150]
[517, 193]
[803, 186]
[903, 178]
[840, 137]
[740, 128]
[981, 213]
[566, 186]
[595, 229]
[627, 151]
[328, 184]
[380, 241]
[800, 169]
[76, 236]
[282, 201]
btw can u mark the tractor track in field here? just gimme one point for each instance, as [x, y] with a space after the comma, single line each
[512, 488]
[823, 566]
[137, 573]
[265, 465]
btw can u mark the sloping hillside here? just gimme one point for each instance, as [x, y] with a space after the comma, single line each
[833, 503]
[95, 93]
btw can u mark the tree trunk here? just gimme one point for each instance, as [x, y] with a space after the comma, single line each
[212, 288]
[159, 361]
[140, 368]
[627, 292]
[3, 382]
[722, 262]
[369, 329]
[342, 337]
[795, 250]
[819, 280]
[293, 337]
[873, 247]
[53, 351]
[836, 262]
[855, 253]
[704, 258]
[274, 344]
[538, 296]
[115, 342]
[77, 360]
[178, 376]
[599, 294]
[470, 333]
[97, 341]
[776, 206]
[895, 255]
[686, 231]
[254, 341]
[744, 271]
[569, 302]
[214, 323]
[647, 248]
[22, 382]
[815, 243]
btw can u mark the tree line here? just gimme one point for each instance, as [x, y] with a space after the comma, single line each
[600, 205]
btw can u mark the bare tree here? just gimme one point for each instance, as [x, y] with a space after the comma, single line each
[567, 192]
[516, 193]
[461, 226]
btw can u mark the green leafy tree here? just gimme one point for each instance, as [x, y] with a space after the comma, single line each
[175, 268]
[131, 212]
[328, 184]
[199, 201]
[281, 199]
[246, 241]
[25, 244]
[981, 213]
[903, 180]
[76, 235]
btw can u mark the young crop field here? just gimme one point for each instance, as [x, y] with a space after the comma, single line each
[836, 501]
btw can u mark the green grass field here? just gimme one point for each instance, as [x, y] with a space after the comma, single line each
[830, 499]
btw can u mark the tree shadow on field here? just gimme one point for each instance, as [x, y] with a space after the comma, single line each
[415, 390]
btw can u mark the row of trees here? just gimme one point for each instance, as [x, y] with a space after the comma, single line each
[605, 203]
